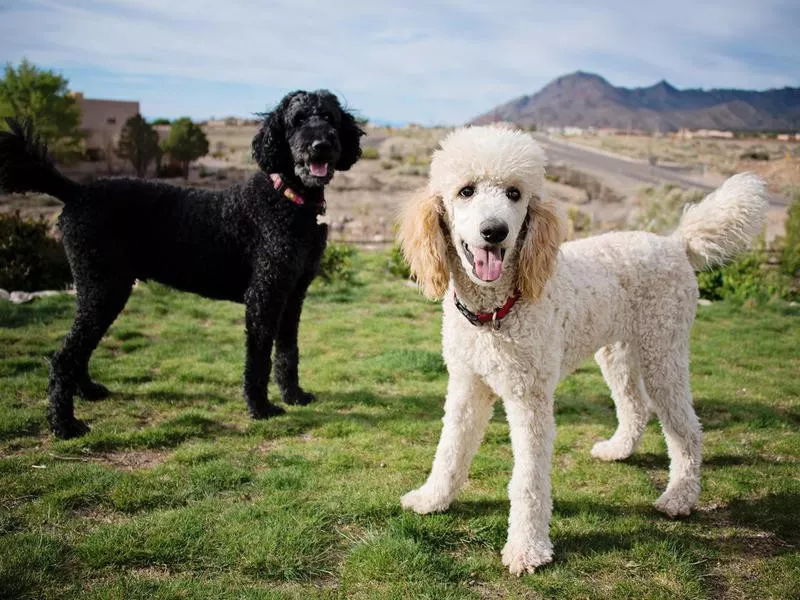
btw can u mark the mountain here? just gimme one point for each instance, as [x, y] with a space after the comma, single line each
[587, 100]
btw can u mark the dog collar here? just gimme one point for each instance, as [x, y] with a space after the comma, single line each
[291, 195]
[495, 317]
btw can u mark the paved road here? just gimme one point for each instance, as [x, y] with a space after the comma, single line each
[629, 173]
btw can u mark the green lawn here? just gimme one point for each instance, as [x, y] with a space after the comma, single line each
[176, 494]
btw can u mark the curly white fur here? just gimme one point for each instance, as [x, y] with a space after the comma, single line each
[628, 297]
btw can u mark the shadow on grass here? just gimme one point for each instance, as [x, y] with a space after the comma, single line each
[769, 525]
[720, 414]
[40, 311]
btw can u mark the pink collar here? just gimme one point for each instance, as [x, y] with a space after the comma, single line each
[293, 196]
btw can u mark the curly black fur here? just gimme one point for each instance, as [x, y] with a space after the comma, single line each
[247, 244]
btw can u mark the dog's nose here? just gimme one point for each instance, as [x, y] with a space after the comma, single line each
[494, 231]
[321, 146]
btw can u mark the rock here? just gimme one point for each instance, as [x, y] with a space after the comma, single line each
[20, 297]
[46, 293]
[704, 302]
[4, 295]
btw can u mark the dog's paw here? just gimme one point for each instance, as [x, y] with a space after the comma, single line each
[68, 429]
[300, 398]
[422, 501]
[524, 558]
[266, 412]
[680, 499]
[93, 391]
[613, 449]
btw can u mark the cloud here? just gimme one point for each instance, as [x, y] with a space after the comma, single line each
[411, 61]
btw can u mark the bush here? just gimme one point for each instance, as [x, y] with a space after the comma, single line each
[337, 264]
[30, 258]
[396, 264]
[370, 153]
[790, 243]
[658, 209]
[752, 277]
[754, 155]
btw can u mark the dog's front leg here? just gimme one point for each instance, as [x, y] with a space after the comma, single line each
[263, 307]
[287, 355]
[467, 411]
[532, 428]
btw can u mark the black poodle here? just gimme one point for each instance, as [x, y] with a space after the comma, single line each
[258, 243]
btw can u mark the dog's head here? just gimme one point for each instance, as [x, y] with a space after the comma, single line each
[483, 205]
[308, 135]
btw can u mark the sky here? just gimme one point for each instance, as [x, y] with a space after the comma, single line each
[397, 62]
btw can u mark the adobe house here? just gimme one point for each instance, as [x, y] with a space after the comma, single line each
[102, 121]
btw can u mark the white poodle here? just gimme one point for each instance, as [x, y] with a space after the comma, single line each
[522, 311]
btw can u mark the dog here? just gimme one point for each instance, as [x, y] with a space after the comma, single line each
[521, 311]
[256, 243]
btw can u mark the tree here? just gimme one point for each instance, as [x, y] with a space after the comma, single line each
[186, 142]
[42, 97]
[138, 142]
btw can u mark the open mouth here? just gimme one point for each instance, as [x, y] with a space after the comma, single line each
[487, 262]
[318, 169]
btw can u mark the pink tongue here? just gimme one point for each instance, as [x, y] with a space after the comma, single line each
[318, 169]
[488, 263]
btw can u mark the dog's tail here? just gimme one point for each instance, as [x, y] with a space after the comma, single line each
[26, 167]
[725, 222]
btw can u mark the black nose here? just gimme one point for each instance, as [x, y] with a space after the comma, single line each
[321, 146]
[494, 231]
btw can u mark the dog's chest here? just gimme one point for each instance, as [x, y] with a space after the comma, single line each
[504, 359]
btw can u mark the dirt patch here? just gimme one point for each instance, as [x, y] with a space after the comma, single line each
[131, 461]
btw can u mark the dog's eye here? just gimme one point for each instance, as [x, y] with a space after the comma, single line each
[466, 191]
[512, 193]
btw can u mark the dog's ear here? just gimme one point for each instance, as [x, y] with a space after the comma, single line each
[349, 136]
[423, 242]
[270, 148]
[537, 257]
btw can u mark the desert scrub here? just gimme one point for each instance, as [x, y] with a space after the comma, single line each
[658, 209]
[30, 257]
[370, 153]
[336, 265]
[595, 189]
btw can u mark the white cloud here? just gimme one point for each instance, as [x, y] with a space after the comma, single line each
[413, 61]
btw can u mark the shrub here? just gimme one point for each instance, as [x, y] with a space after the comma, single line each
[396, 264]
[30, 258]
[754, 155]
[370, 153]
[753, 276]
[790, 243]
[337, 264]
[658, 209]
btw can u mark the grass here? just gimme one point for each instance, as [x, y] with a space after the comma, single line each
[176, 494]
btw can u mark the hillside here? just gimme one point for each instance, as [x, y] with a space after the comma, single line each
[587, 100]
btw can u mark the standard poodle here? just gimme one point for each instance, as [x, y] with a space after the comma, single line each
[258, 243]
[522, 311]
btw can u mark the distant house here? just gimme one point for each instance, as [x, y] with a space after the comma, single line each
[688, 134]
[102, 121]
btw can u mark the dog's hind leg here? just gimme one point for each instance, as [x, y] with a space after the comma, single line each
[620, 366]
[467, 411]
[98, 304]
[666, 377]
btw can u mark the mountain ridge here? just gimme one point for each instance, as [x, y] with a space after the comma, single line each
[583, 99]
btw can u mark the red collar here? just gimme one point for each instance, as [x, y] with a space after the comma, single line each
[495, 317]
[293, 196]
